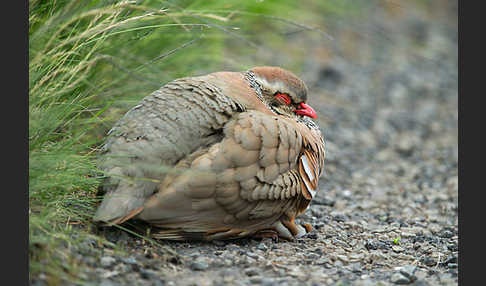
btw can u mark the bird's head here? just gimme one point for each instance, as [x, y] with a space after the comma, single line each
[283, 92]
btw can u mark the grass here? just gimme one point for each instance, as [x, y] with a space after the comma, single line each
[89, 61]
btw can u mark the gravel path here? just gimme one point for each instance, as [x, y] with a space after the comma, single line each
[386, 212]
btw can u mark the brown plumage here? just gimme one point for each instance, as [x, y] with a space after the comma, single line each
[221, 156]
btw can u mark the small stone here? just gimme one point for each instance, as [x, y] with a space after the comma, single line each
[371, 244]
[268, 282]
[262, 246]
[452, 247]
[256, 280]
[312, 235]
[429, 261]
[90, 261]
[342, 282]
[122, 268]
[450, 259]
[199, 265]
[149, 274]
[253, 271]
[129, 260]
[109, 274]
[408, 271]
[107, 261]
[407, 234]
[421, 283]
[399, 278]
[397, 249]
[323, 201]
[446, 234]
[339, 218]
[356, 256]
[107, 282]
[39, 283]
[395, 224]
[338, 263]
[219, 242]
[253, 255]
[365, 282]
[342, 258]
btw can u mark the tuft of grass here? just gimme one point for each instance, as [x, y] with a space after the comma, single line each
[396, 240]
[89, 61]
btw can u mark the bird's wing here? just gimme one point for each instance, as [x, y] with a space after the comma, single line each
[264, 167]
[168, 125]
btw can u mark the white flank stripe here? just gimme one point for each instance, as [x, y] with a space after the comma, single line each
[311, 190]
[307, 169]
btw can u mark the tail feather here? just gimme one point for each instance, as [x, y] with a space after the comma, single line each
[117, 209]
[124, 197]
[177, 234]
[129, 216]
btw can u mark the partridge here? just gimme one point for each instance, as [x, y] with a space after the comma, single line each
[220, 156]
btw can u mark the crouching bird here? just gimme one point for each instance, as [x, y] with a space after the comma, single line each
[220, 156]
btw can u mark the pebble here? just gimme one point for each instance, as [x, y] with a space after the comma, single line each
[346, 193]
[397, 249]
[371, 244]
[107, 282]
[343, 258]
[374, 245]
[323, 201]
[199, 265]
[399, 278]
[256, 280]
[453, 247]
[108, 274]
[107, 261]
[149, 274]
[253, 255]
[89, 260]
[446, 234]
[407, 234]
[425, 283]
[312, 235]
[339, 218]
[219, 242]
[268, 281]
[408, 271]
[450, 259]
[365, 282]
[429, 261]
[159, 282]
[129, 260]
[38, 283]
[252, 271]
[262, 246]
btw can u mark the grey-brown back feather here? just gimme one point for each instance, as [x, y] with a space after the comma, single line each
[153, 136]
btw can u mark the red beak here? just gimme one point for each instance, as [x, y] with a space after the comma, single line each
[305, 110]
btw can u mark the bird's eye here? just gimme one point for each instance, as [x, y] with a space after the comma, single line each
[282, 97]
